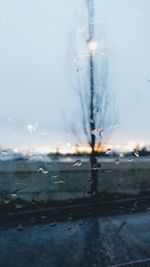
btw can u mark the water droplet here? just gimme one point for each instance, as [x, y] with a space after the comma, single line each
[95, 22]
[59, 182]
[108, 151]
[115, 126]
[41, 170]
[54, 176]
[78, 69]
[95, 110]
[97, 166]
[6, 201]
[130, 158]
[77, 163]
[148, 210]
[134, 207]
[117, 161]
[122, 225]
[32, 127]
[136, 153]
[4, 152]
[20, 228]
[97, 132]
[135, 203]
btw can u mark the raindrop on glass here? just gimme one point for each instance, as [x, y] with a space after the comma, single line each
[108, 151]
[13, 195]
[97, 166]
[136, 153]
[20, 228]
[135, 203]
[122, 225]
[32, 127]
[130, 158]
[95, 110]
[6, 201]
[4, 152]
[77, 163]
[117, 161]
[115, 126]
[41, 170]
[97, 132]
[54, 176]
[148, 210]
[59, 182]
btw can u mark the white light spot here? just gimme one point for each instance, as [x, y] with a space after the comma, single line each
[92, 46]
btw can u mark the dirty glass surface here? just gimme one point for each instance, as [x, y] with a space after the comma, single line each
[74, 133]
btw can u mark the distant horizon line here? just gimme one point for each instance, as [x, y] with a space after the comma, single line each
[72, 148]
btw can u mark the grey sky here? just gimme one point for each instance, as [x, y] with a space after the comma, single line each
[35, 73]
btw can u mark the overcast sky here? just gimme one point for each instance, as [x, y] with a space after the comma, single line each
[35, 73]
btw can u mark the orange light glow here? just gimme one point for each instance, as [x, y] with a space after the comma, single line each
[68, 148]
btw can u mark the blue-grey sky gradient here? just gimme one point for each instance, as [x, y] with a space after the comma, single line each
[35, 73]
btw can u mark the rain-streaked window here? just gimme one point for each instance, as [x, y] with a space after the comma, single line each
[74, 118]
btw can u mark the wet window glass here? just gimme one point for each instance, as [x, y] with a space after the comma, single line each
[74, 133]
